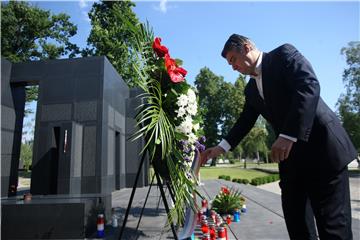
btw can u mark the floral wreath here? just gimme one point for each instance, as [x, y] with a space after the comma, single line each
[168, 119]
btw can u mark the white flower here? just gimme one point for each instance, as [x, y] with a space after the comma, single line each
[181, 112]
[192, 109]
[186, 126]
[191, 95]
[188, 120]
[182, 100]
[196, 127]
[192, 138]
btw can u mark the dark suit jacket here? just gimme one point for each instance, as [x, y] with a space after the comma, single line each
[293, 106]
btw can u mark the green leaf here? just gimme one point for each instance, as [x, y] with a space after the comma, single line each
[180, 136]
[174, 91]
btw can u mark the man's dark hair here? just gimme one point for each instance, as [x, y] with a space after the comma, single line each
[235, 41]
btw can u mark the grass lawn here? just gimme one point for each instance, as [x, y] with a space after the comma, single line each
[233, 172]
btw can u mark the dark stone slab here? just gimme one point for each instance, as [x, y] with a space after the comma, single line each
[50, 217]
[12, 114]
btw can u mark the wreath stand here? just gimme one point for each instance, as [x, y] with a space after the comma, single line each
[160, 185]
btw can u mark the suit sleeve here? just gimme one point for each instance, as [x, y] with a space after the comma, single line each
[242, 126]
[305, 92]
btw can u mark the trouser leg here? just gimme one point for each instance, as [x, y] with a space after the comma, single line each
[331, 203]
[297, 210]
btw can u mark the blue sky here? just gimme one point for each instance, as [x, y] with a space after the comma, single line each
[196, 31]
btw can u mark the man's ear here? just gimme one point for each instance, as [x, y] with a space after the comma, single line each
[247, 48]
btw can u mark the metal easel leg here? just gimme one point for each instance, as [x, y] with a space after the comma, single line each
[165, 203]
[132, 195]
[146, 198]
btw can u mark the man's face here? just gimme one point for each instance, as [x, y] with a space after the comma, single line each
[241, 61]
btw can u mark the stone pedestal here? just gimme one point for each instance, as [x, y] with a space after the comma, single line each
[52, 217]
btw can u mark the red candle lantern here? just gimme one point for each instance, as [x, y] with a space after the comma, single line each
[199, 217]
[213, 215]
[228, 219]
[204, 203]
[221, 234]
[205, 227]
[212, 232]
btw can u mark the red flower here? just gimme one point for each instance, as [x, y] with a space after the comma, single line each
[177, 74]
[225, 190]
[158, 48]
[169, 62]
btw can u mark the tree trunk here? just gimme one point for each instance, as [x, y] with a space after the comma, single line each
[213, 162]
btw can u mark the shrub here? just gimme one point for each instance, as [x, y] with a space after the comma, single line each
[262, 180]
[269, 179]
[245, 181]
[225, 177]
[254, 181]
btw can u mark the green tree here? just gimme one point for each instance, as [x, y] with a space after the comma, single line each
[26, 155]
[208, 86]
[221, 104]
[349, 102]
[255, 141]
[233, 99]
[112, 37]
[271, 137]
[238, 152]
[29, 33]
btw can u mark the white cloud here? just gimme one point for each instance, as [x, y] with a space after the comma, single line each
[82, 3]
[163, 7]
[85, 15]
[85, 6]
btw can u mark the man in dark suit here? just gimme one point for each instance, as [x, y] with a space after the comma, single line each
[312, 148]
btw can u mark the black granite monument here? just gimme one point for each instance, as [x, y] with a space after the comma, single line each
[85, 116]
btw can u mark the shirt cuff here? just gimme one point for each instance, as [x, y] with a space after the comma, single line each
[224, 145]
[288, 137]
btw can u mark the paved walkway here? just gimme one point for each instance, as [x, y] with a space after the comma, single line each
[264, 219]
[354, 193]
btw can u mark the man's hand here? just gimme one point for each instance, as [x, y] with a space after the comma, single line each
[280, 149]
[211, 153]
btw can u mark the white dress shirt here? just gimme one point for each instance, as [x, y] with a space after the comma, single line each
[258, 79]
